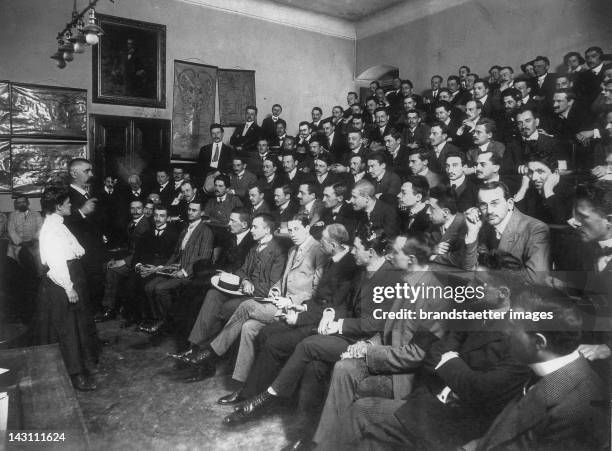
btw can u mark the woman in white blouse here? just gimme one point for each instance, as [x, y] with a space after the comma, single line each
[63, 316]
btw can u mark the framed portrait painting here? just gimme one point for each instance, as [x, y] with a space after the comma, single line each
[129, 63]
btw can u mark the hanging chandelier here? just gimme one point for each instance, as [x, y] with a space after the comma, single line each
[76, 35]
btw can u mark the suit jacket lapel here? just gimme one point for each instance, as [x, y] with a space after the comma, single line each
[508, 237]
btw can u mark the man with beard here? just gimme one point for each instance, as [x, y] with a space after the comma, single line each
[241, 178]
[219, 208]
[507, 129]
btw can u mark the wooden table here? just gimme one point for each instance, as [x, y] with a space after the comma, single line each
[47, 402]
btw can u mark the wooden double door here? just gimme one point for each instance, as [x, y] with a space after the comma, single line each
[121, 146]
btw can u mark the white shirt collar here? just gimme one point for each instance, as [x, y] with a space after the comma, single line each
[424, 172]
[178, 184]
[358, 176]
[336, 258]
[79, 189]
[605, 243]
[137, 221]
[484, 147]
[108, 190]
[292, 173]
[241, 173]
[449, 221]
[542, 77]
[195, 223]
[381, 176]
[440, 146]
[597, 69]
[161, 187]
[499, 228]
[534, 136]
[241, 236]
[525, 99]
[545, 368]
[417, 208]
[484, 99]
[255, 207]
[459, 181]
[565, 113]
[248, 124]
[308, 206]
[337, 208]
[222, 198]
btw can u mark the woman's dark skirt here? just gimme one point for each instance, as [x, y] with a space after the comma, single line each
[70, 325]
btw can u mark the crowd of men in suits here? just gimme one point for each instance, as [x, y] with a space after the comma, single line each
[498, 181]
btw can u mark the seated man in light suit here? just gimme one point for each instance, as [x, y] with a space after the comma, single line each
[497, 224]
[300, 279]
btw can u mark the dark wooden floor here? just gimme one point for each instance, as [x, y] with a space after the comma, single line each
[139, 406]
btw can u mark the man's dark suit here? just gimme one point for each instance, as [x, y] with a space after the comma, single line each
[483, 379]
[329, 180]
[112, 213]
[338, 146]
[544, 145]
[166, 194]
[226, 153]
[114, 275]
[345, 216]
[247, 142]
[466, 195]
[399, 163]
[454, 236]
[377, 135]
[556, 209]
[192, 296]
[268, 128]
[199, 247]
[277, 181]
[547, 89]
[89, 236]
[462, 97]
[264, 207]
[388, 187]
[416, 224]
[76, 199]
[566, 409]
[279, 340]
[437, 163]
[419, 136]
[288, 212]
[151, 249]
[298, 179]
[382, 219]
[524, 237]
[241, 185]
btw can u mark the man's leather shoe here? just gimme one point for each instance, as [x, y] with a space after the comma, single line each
[250, 409]
[184, 357]
[152, 330]
[205, 356]
[82, 383]
[300, 445]
[197, 375]
[231, 399]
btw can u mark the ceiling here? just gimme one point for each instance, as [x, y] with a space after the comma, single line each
[352, 10]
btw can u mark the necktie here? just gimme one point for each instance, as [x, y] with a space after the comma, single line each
[246, 129]
[158, 232]
[132, 227]
[216, 155]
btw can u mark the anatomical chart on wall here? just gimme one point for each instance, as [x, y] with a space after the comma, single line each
[193, 108]
[236, 92]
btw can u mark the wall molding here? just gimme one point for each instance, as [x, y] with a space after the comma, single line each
[402, 14]
[282, 15]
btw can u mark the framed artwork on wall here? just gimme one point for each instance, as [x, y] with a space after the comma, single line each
[48, 112]
[236, 92]
[129, 63]
[193, 108]
[34, 164]
[5, 108]
[5, 166]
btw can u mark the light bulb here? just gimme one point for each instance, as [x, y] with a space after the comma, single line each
[91, 38]
[78, 47]
[61, 64]
[68, 56]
